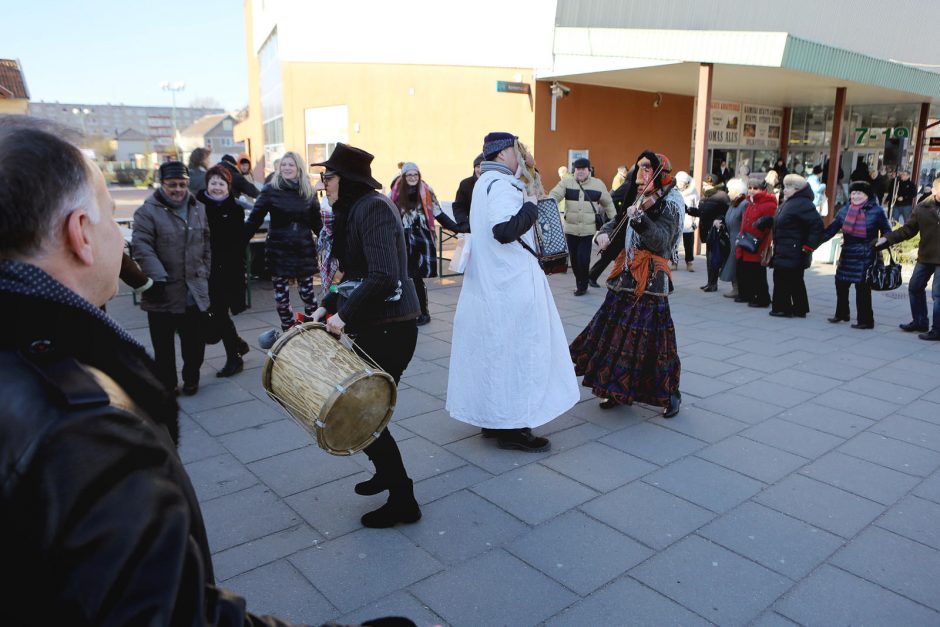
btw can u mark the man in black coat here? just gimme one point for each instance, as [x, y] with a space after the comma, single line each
[240, 185]
[905, 193]
[711, 212]
[100, 523]
[461, 204]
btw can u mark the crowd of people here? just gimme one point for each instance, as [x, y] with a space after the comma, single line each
[94, 422]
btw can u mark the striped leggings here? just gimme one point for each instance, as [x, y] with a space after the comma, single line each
[282, 298]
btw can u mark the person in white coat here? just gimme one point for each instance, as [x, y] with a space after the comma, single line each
[510, 368]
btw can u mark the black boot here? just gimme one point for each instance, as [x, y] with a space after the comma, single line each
[372, 486]
[401, 507]
[233, 365]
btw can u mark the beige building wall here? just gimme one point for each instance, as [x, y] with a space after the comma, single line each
[15, 106]
[248, 131]
[435, 116]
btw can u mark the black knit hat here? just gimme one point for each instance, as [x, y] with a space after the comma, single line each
[173, 170]
[229, 159]
[861, 186]
[496, 142]
[581, 162]
[352, 164]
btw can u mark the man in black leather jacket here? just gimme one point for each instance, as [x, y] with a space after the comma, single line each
[100, 524]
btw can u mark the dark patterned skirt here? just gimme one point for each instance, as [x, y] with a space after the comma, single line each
[628, 351]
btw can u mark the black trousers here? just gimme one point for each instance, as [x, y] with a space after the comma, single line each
[688, 245]
[579, 251]
[790, 292]
[391, 346]
[752, 282]
[163, 329]
[862, 301]
[422, 291]
[230, 339]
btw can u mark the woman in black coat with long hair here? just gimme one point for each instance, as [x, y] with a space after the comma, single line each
[797, 232]
[226, 220]
[290, 250]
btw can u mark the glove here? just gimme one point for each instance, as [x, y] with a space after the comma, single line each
[763, 222]
[157, 291]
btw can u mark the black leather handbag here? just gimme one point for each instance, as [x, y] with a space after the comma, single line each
[884, 278]
[748, 242]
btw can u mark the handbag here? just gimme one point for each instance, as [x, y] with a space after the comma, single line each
[747, 241]
[599, 219]
[458, 262]
[210, 327]
[884, 278]
[767, 254]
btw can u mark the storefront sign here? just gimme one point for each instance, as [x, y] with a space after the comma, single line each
[512, 88]
[933, 144]
[724, 126]
[761, 126]
[875, 137]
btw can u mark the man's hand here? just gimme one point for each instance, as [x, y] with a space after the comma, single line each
[716, 223]
[319, 314]
[603, 241]
[881, 241]
[335, 325]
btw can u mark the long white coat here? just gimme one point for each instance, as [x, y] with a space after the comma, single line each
[509, 362]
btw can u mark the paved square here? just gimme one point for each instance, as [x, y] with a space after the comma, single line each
[800, 484]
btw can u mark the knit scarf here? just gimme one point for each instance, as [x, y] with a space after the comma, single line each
[642, 263]
[855, 224]
[424, 194]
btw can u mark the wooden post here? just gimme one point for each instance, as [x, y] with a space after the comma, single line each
[702, 118]
[919, 143]
[835, 150]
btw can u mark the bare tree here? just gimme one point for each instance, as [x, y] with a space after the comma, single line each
[205, 102]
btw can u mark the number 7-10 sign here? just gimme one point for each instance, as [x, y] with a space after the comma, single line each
[865, 135]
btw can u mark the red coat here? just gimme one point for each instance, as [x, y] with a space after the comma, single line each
[761, 204]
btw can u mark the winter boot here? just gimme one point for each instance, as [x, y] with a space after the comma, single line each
[401, 507]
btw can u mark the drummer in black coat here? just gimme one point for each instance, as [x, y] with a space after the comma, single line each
[380, 314]
[798, 231]
[226, 220]
[290, 249]
[711, 212]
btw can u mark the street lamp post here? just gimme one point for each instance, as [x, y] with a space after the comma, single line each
[173, 87]
[81, 111]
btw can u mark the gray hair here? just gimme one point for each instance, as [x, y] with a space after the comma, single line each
[795, 181]
[44, 177]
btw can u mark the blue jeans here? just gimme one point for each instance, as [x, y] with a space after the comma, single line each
[917, 290]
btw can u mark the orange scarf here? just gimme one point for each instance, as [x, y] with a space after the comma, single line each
[640, 267]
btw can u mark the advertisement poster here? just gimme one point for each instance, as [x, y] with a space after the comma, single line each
[761, 126]
[725, 125]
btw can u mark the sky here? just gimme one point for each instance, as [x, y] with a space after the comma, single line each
[108, 51]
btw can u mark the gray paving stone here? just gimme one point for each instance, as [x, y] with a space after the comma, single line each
[793, 438]
[775, 393]
[629, 602]
[922, 410]
[705, 365]
[441, 485]
[279, 590]
[826, 419]
[897, 563]
[754, 459]
[334, 509]
[462, 525]
[219, 394]
[242, 415]
[705, 484]
[834, 597]
[424, 459]
[914, 518]
[228, 522]
[598, 466]
[412, 402]
[930, 488]
[265, 440]
[861, 477]
[855, 403]
[493, 589]
[701, 424]
[345, 569]
[652, 516]
[534, 493]
[701, 386]
[781, 543]
[579, 552]
[743, 408]
[438, 427]
[892, 453]
[821, 505]
[432, 382]
[761, 363]
[712, 581]
[610, 419]
[883, 390]
[710, 350]
[484, 453]
[432, 348]
[829, 367]
[196, 444]
[216, 476]
[302, 469]
[802, 380]
[250, 555]
[399, 603]
[772, 619]
[908, 372]
[653, 443]
[741, 376]
[910, 430]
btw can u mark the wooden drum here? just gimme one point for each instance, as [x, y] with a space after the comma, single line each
[333, 393]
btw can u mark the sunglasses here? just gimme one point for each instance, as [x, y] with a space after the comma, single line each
[326, 176]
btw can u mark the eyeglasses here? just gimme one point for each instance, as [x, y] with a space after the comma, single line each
[326, 176]
[182, 185]
[412, 175]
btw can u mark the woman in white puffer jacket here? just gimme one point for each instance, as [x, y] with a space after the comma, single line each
[686, 187]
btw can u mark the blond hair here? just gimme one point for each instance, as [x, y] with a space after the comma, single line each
[305, 188]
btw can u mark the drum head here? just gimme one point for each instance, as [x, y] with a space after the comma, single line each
[351, 419]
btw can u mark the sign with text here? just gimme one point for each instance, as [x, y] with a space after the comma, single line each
[761, 126]
[512, 88]
[724, 126]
